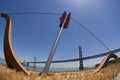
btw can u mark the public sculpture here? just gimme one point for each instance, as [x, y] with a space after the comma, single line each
[105, 61]
[10, 56]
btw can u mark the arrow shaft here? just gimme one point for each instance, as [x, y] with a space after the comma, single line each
[46, 68]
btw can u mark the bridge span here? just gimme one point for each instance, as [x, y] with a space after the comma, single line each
[84, 58]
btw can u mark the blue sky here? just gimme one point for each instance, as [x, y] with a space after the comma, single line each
[34, 34]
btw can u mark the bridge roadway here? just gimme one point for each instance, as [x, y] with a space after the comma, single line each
[77, 59]
[84, 58]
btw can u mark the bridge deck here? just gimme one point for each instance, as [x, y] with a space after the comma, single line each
[84, 58]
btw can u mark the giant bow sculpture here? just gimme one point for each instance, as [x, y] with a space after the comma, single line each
[11, 59]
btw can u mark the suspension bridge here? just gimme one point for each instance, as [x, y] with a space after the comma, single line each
[68, 60]
[83, 58]
[80, 59]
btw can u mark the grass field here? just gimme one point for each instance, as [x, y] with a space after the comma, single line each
[107, 73]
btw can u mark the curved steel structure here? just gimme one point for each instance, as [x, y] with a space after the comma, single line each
[11, 59]
[105, 61]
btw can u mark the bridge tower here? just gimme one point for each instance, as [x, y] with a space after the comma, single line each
[80, 59]
[27, 64]
[34, 64]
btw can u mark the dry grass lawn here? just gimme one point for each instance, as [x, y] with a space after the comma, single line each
[108, 73]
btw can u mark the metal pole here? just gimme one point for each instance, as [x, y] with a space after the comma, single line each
[46, 68]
